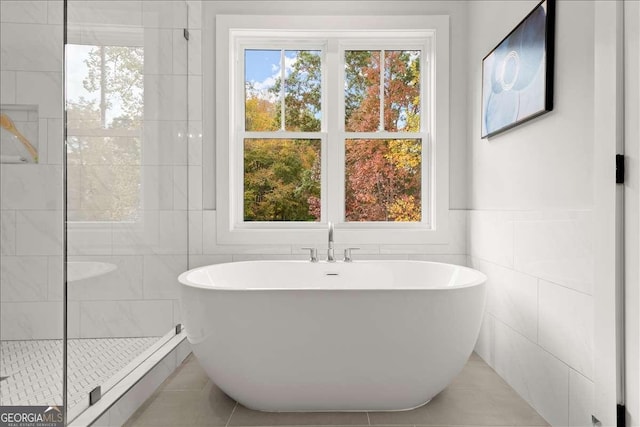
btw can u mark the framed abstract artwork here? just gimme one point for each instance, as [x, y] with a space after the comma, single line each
[517, 75]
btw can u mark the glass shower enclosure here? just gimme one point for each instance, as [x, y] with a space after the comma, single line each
[126, 186]
[93, 193]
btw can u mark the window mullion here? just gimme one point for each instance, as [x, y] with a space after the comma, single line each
[282, 77]
[335, 142]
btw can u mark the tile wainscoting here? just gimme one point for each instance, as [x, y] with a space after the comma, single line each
[538, 327]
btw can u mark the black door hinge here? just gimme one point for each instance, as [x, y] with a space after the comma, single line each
[619, 168]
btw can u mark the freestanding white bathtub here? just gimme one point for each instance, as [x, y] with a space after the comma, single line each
[303, 336]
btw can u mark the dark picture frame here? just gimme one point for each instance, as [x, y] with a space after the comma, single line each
[517, 75]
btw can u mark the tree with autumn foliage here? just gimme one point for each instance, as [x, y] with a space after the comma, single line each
[383, 179]
[282, 176]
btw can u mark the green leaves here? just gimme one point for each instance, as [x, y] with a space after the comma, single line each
[281, 179]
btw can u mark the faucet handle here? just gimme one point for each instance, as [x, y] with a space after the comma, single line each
[347, 254]
[313, 254]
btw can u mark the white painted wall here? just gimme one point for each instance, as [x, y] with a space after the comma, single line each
[531, 200]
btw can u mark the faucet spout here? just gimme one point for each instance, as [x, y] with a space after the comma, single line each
[330, 252]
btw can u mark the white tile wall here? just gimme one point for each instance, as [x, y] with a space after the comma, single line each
[164, 14]
[195, 50]
[55, 148]
[538, 327]
[580, 399]
[7, 86]
[39, 232]
[195, 13]
[180, 64]
[164, 97]
[40, 88]
[23, 11]
[539, 377]
[124, 282]
[54, 284]
[31, 186]
[195, 233]
[556, 246]
[159, 52]
[107, 12]
[491, 236]
[566, 326]
[448, 259]
[195, 92]
[24, 278]
[161, 275]
[512, 297]
[202, 260]
[55, 11]
[140, 318]
[195, 143]
[7, 232]
[30, 320]
[164, 143]
[157, 187]
[31, 47]
[180, 187]
[30, 218]
[89, 239]
[486, 339]
[159, 232]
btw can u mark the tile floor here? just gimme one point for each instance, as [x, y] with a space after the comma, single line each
[477, 397]
[33, 369]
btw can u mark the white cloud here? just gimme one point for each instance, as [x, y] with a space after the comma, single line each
[261, 88]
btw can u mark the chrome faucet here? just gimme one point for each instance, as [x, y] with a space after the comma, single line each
[330, 252]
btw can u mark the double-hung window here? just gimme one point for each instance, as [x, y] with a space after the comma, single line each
[332, 119]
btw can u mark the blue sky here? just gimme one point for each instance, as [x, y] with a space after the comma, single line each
[261, 64]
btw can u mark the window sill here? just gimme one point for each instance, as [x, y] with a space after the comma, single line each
[356, 234]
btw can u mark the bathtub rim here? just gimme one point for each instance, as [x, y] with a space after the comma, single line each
[478, 281]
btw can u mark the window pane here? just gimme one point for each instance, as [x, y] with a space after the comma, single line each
[383, 179]
[402, 90]
[105, 109]
[262, 89]
[282, 179]
[302, 90]
[362, 90]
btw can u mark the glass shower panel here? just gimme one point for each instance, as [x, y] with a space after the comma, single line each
[31, 208]
[126, 104]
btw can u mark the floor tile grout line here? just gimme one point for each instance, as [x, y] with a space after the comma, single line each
[231, 415]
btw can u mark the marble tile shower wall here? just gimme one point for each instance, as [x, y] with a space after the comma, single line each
[538, 327]
[140, 297]
[31, 194]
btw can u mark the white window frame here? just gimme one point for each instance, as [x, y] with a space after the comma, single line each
[400, 32]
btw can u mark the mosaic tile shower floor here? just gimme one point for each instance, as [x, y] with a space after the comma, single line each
[33, 369]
